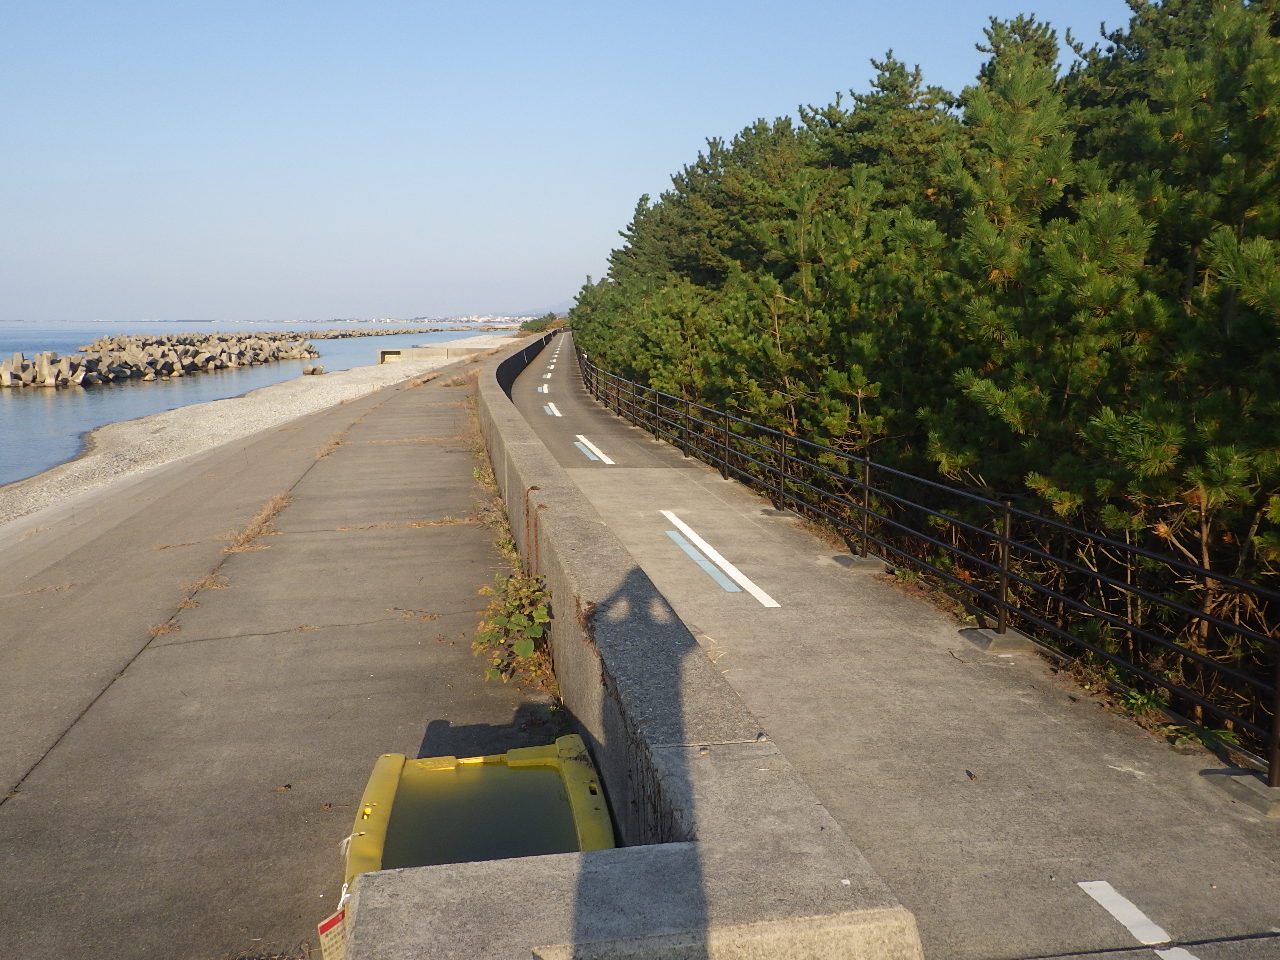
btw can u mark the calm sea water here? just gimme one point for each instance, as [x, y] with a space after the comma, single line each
[41, 428]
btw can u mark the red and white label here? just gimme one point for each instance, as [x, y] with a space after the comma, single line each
[333, 935]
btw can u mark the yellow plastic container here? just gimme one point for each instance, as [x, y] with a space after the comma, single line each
[523, 803]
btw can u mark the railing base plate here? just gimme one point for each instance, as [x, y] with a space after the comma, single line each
[1011, 641]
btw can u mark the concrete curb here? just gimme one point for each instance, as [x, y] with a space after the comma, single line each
[728, 853]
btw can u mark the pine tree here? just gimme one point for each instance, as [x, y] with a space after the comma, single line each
[1203, 143]
[898, 131]
[1010, 181]
[1070, 291]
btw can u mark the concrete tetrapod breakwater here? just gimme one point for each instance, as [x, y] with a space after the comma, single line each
[727, 853]
[141, 357]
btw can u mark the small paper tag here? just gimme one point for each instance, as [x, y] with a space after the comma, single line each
[333, 935]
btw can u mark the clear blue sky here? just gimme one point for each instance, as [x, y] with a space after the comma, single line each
[305, 159]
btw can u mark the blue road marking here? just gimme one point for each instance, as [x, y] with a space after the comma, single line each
[714, 572]
[583, 448]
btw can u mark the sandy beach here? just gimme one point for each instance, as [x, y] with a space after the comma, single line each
[122, 450]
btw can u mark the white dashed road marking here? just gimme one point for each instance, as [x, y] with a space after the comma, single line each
[736, 575]
[1144, 929]
[599, 454]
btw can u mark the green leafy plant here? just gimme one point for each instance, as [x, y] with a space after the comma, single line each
[1144, 705]
[1216, 740]
[512, 635]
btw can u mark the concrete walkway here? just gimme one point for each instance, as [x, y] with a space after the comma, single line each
[184, 730]
[981, 786]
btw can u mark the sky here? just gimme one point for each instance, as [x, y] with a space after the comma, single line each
[280, 160]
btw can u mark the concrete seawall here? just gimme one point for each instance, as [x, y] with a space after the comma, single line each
[727, 852]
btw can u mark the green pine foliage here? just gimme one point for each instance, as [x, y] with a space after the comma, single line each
[1060, 286]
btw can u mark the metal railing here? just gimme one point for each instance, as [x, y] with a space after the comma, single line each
[1161, 624]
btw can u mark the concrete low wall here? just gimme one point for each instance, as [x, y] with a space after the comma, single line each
[728, 853]
[453, 350]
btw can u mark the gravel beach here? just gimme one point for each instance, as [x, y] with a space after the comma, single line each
[122, 450]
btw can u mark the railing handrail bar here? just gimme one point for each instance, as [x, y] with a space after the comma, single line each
[1048, 591]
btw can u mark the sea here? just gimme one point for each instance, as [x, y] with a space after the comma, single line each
[41, 428]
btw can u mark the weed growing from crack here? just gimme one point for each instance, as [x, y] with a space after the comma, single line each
[210, 581]
[512, 634]
[259, 526]
[56, 588]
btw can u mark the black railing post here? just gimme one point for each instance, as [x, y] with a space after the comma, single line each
[1273, 765]
[866, 501]
[782, 473]
[685, 423]
[1006, 528]
[724, 446]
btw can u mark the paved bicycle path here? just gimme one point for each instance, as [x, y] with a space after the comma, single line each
[1012, 815]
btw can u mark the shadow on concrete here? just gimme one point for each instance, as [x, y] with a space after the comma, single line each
[533, 723]
[664, 899]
